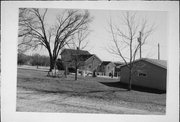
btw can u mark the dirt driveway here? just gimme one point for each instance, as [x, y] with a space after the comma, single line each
[35, 101]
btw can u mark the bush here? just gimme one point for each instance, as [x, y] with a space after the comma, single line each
[38, 60]
[34, 60]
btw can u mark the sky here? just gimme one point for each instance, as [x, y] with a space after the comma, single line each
[100, 38]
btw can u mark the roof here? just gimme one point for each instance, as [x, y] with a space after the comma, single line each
[160, 63]
[94, 56]
[105, 63]
[84, 57]
[74, 51]
[118, 63]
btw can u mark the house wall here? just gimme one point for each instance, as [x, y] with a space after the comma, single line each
[117, 72]
[67, 59]
[92, 63]
[109, 69]
[145, 74]
[101, 70]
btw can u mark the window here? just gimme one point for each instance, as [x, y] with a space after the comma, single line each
[141, 74]
[89, 66]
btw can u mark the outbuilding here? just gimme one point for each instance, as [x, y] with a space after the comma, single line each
[106, 68]
[149, 73]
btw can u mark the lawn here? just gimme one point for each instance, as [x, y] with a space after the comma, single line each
[37, 92]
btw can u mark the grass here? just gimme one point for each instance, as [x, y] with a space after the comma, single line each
[97, 89]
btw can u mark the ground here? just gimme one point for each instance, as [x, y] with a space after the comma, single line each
[38, 93]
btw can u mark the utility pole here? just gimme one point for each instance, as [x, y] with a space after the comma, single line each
[139, 40]
[158, 51]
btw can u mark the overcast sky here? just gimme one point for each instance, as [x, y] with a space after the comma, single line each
[99, 38]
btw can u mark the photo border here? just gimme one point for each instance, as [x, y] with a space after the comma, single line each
[9, 33]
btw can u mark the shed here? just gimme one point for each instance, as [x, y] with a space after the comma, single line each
[149, 73]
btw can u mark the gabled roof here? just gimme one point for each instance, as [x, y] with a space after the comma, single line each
[73, 52]
[160, 63]
[94, 56]
[104, 63]
[84, 57]
[118, 63]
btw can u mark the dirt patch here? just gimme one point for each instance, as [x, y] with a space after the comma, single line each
[52, 102]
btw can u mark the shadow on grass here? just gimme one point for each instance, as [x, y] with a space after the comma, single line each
[134, 87]
[74, 93]
[79, 92]
[33, 69]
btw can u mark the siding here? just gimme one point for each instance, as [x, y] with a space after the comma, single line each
[109, 69]
[92, 63]
[145, 74]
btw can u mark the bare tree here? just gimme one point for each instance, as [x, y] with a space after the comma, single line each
[80, 39]
[80, 42]
[126, 39]
[35, 32]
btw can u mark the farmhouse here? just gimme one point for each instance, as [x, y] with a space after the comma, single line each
[149, 73]
[67, 54]
[87, 63]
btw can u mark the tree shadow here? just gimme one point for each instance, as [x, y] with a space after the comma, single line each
[77, 92]
[74, 93]
[119, 84]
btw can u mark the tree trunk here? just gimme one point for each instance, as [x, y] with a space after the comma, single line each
[51, 60]
[52, 64]
[76, 68]
[76, 73]
[66, 70]
[130, 79]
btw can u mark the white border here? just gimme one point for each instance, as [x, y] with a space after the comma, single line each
[9, 25]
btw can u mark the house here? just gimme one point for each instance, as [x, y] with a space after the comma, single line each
[117, 68]
[86, 62]
[90, 64]
[106, 68]
[67, 54]
[149, 73]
